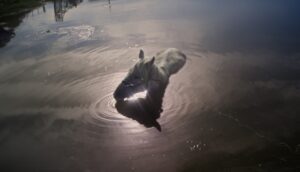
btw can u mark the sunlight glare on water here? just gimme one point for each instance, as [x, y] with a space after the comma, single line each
[136, 96]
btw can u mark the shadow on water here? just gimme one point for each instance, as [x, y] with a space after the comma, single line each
[146, 111]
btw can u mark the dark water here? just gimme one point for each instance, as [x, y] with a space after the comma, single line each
[234, 106]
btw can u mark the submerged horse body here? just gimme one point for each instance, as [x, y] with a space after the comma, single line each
[151, 74]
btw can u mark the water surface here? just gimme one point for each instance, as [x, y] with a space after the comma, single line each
[234, 106]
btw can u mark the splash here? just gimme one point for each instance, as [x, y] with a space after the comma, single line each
[83, 32]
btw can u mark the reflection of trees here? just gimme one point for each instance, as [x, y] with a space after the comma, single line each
[62, 6]
[12, 13]
[5, 35]
[108, 1]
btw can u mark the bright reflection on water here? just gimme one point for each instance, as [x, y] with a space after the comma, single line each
[136, 96]
[234, 106]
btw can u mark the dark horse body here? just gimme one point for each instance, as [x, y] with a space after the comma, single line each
[151, 74]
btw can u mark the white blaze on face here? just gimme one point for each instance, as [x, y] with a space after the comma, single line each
[139, 95]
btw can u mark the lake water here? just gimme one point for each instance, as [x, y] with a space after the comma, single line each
[234, 106]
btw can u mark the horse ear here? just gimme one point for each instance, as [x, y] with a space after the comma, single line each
[151, 61]
[141, 55]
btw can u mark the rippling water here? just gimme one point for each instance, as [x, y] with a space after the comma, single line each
[234, 105]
